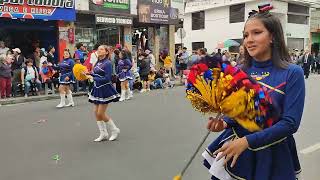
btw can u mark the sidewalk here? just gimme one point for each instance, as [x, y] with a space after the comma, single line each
[18, 100]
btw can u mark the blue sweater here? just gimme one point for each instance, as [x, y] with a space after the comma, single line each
[272, 152]
[102, 72]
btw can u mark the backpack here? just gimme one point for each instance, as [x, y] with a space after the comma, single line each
[26, 71]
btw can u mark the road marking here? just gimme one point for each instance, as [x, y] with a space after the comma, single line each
[310, 149]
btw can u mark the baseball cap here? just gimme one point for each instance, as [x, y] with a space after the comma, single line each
[16, 50]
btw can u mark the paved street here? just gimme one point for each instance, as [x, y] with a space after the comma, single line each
[159, 131]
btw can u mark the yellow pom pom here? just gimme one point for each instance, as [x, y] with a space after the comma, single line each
[79, 72]
[177, 177]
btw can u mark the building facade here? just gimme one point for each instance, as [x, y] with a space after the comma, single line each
[104, 22]
[30, 24]
[137, 24]
[315, 30]
[209, 23]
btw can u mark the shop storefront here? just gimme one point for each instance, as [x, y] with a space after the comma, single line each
[154, 27]
[30, 24]
[106, 22]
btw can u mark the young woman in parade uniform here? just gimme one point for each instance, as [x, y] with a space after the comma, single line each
[66, 78]
[124, 74]
[103, 93]
[269, 154]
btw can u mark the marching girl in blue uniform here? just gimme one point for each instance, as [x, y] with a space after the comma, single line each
[124, 74]
[103, 93]
[66, 78]
[270, 154]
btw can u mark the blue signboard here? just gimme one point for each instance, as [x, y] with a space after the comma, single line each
[38, 9]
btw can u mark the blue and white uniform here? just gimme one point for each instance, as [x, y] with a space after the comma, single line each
[272, 153]
[124, 70]
[66, 67]
[103, 91]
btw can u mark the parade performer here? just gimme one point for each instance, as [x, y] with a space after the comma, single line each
[103, 93]
[66, 78]
[269, 153]
[124, 75]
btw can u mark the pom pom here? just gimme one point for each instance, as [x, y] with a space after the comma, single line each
[208, 75]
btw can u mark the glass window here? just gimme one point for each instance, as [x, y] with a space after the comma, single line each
[237, 13]
[295, 43]
[197, 45]
[294, 8]
[298, 19]
[198, 20]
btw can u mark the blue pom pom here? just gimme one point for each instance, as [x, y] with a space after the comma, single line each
[224, 66]
[208, 75]
[189, 86]
[261, 95]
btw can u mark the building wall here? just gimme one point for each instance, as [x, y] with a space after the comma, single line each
[315, 20]
[82, 5]
[218, 29]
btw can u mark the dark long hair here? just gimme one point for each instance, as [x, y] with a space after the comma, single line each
[280, 54]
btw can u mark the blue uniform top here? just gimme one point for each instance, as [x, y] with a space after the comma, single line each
[66, 67]
[124, 64]
[272, 152]
[102, 72]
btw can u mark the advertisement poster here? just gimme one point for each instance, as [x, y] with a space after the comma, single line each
[110, 6]
[40, 9]
[158, 12]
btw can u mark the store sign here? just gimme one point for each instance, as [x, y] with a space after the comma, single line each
[104, 19]
[38, 9]
[110, 6]
[163, 3]
[157, 14]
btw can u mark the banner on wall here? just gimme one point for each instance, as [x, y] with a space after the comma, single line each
[110, 6]
[157, 12]
[38, 9]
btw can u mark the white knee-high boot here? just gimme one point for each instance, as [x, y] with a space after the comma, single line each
[115, 131]
[70, 100]
[128, 94]
[62, 101]
[123, 95]
[103, 131]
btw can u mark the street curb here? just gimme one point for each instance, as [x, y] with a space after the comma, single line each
[20, 100]
[35, 98]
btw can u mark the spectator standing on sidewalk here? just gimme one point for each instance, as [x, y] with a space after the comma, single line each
[36, 57]
[3, 48]
[144, 69]
[5, 75]
[16, 67]
[167, 61]
[30, 78]
[50, 56]
[307, 59]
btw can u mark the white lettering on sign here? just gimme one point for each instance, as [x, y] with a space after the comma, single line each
[9, 9]
[47, 3]
[113, 20]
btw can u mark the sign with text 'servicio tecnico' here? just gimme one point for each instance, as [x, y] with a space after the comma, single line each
[118, 20]
[38, 9]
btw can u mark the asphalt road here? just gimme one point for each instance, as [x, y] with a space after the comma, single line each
[159, 132]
